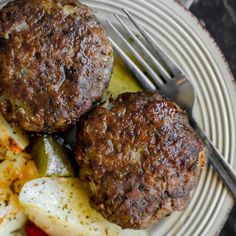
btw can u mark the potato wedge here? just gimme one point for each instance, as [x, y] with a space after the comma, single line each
[11, 138]
[60, 206]
[11, 216]
[15, 170]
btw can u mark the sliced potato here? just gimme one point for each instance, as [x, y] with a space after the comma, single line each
[60, 206]
[11, 137]
[15, 170]
[11, 216]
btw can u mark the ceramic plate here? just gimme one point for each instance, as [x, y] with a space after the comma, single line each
[182, 36]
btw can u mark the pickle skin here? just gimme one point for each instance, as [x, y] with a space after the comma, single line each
[51, 158]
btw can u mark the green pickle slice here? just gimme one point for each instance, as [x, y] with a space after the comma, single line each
[51, 158]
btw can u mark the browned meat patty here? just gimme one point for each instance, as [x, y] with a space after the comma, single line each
[139, 158]
[55, 61]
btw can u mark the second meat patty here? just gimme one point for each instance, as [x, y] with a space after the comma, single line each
[139, 158]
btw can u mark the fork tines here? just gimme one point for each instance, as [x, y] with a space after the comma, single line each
[158, 80]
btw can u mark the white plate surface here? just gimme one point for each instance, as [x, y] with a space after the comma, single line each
[180, 34]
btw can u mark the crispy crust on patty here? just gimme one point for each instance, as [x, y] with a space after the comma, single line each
[139, 158]
[55, 61]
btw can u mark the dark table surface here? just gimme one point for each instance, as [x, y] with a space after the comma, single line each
[219, 17]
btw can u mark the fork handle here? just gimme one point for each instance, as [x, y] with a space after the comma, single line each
[225, 171]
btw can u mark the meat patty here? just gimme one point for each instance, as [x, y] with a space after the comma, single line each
[139, 158]
[55, 61]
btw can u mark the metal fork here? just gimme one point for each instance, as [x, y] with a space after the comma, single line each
[171, 82]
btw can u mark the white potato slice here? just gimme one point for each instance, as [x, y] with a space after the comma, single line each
[11, 137]
[15, 170]
[11, 215]
[60, 206]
